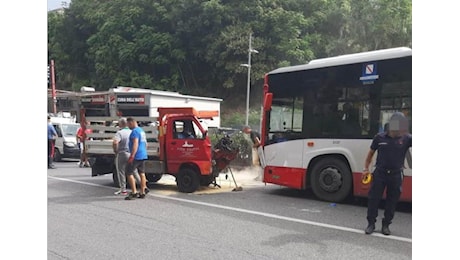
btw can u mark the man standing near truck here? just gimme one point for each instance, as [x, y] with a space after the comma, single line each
[255, 139]
[81, 141]
[121, 149]
[136, 160]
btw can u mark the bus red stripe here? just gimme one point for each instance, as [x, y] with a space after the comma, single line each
[289, 177]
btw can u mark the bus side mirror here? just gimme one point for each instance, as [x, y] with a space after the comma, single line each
[268, 101]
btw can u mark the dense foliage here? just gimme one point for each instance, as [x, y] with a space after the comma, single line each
[196, 46]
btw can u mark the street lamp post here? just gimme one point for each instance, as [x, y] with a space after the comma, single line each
[248, 65]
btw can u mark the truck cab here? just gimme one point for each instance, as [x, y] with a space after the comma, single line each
[186, 151]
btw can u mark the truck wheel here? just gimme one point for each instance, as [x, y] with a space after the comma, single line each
[207, 180]
[187, 180]
[153, 177]
[57, 155]
[331, 180]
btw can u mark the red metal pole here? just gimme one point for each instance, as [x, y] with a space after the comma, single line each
[53, 87]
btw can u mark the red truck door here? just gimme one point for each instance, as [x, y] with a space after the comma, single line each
[187, 142]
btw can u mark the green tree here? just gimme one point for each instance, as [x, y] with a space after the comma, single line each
[348, 26]
[196, 46]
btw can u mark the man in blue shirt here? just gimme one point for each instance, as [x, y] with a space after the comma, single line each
[52, 135]
[121, 149]
[138, 155]
[392, 147]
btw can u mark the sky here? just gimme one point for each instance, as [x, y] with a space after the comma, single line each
[55, 4]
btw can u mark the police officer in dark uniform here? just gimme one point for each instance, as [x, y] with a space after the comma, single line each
[392, 146]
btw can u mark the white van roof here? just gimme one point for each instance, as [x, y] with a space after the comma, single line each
[62, 118]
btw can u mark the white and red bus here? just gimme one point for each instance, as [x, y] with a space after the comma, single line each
[319, 120]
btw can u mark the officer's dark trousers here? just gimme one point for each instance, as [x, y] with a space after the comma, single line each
[382, 180]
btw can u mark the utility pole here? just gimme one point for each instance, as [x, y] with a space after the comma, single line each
[248, 88]
[53, 87]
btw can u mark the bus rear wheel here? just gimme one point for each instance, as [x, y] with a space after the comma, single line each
[331, 180]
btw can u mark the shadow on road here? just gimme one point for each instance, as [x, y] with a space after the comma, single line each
[405, 207]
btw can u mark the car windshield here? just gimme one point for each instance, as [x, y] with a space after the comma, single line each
[70, 129]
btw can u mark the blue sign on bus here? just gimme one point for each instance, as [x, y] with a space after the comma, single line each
[369, 73]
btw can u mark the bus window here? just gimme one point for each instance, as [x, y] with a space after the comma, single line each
[396, 97]
[286, 118]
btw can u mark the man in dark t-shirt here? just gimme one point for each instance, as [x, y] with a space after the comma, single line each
[255, 138]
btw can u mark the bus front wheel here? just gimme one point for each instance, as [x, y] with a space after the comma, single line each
[331, 180]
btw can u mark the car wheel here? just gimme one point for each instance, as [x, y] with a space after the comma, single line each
[57, 155]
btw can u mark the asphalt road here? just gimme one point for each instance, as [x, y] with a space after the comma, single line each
[87, 221]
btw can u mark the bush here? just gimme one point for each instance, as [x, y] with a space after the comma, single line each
[242, 142]
[236, 119]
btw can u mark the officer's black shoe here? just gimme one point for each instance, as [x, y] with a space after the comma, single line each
[370, 228]
[386, 230]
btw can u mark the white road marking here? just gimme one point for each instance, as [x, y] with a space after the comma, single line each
[252, 212]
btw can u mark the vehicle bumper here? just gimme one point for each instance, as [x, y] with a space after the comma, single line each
[101, 164]
[73, 153]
